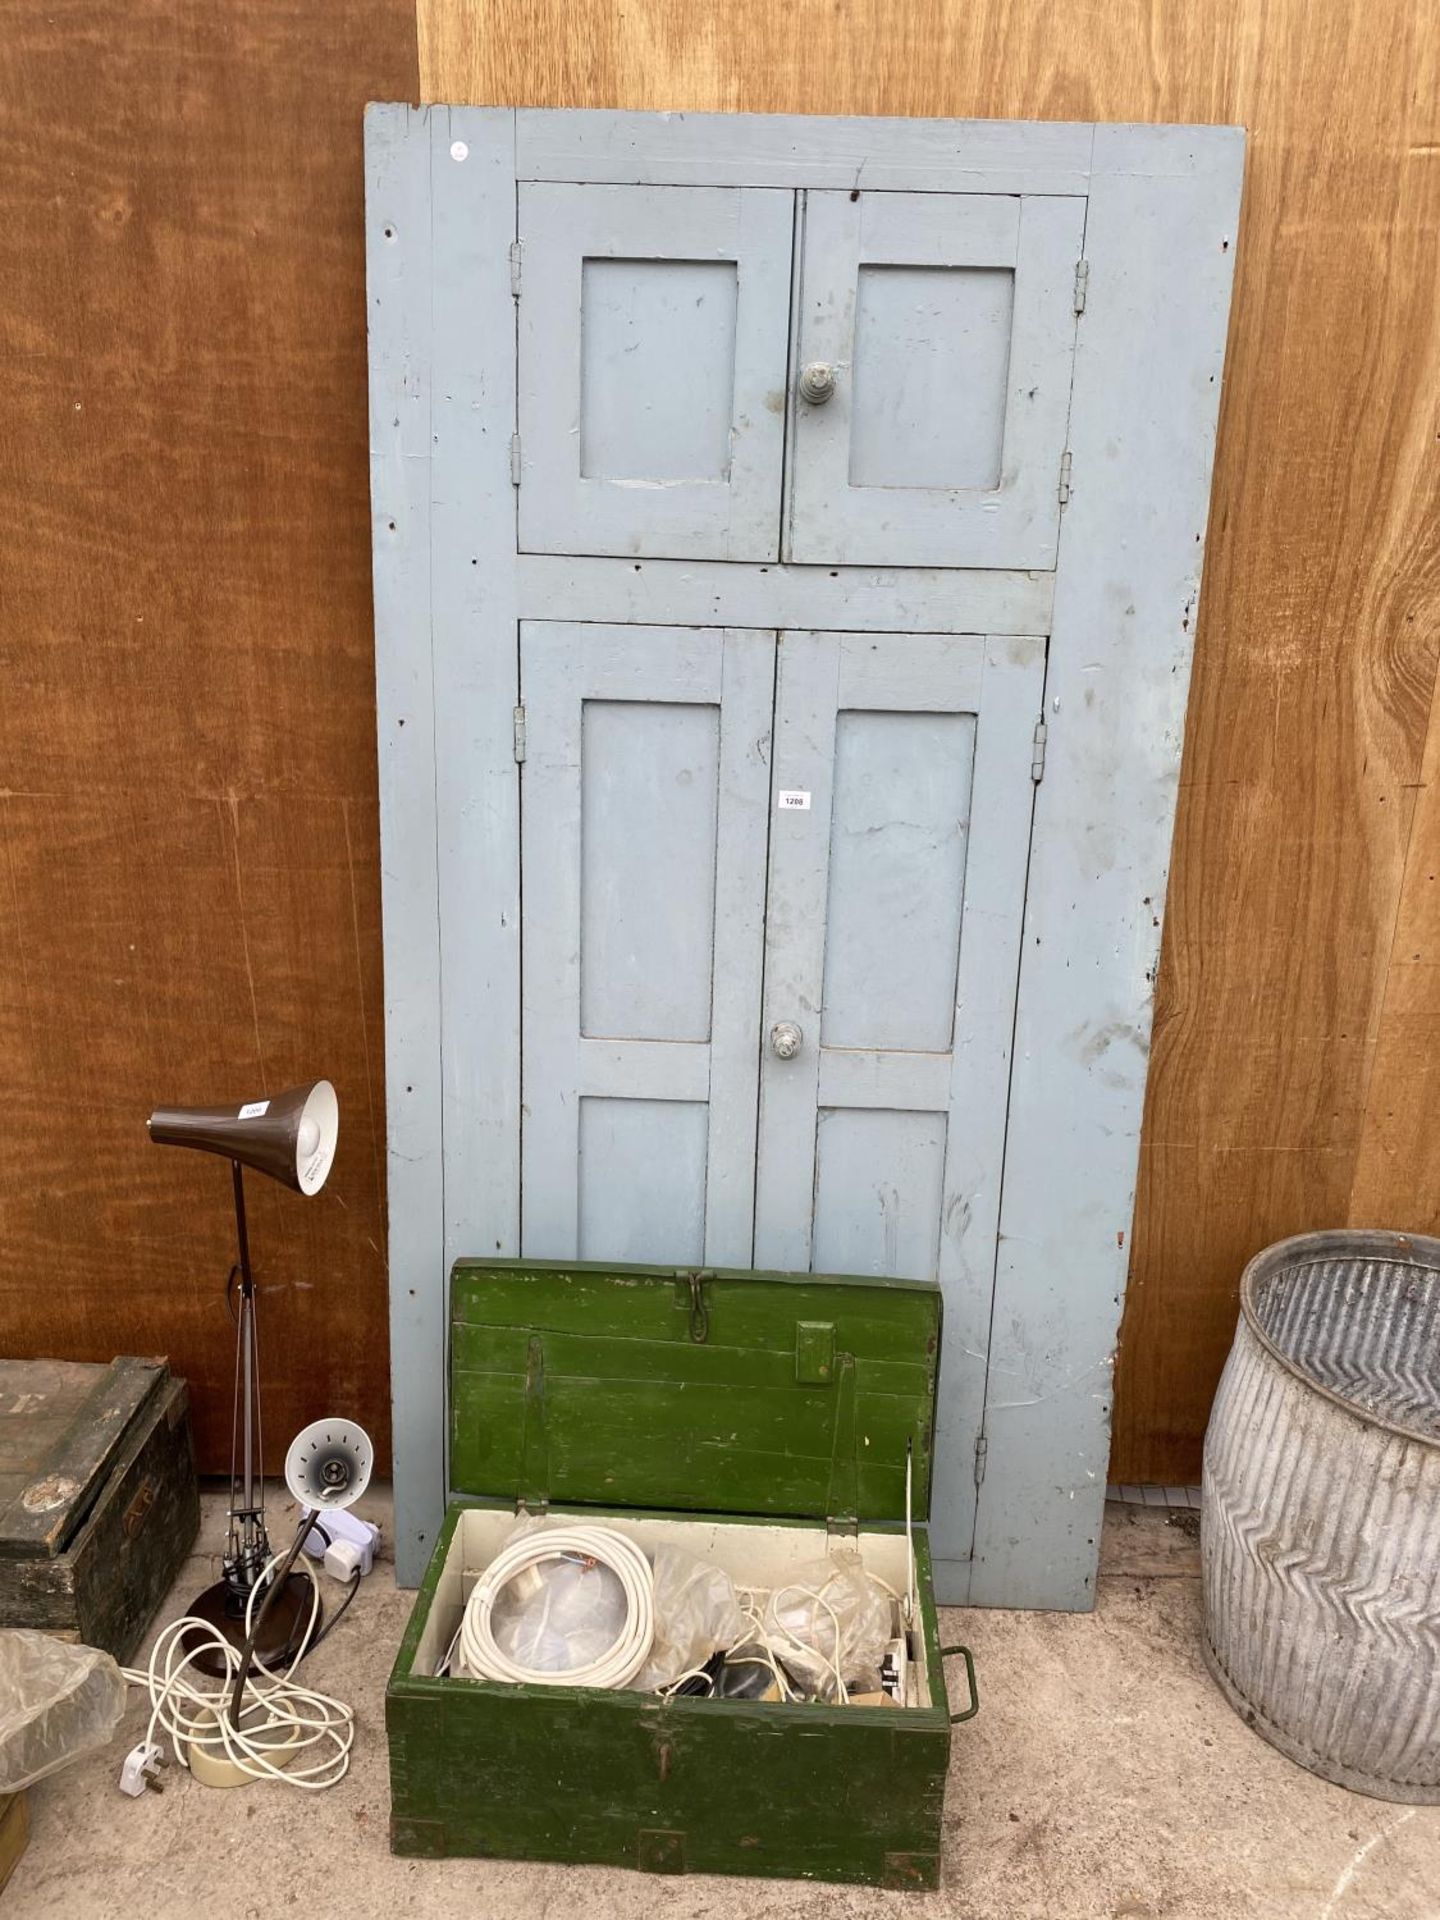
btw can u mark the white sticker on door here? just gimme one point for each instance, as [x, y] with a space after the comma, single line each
[792, 802]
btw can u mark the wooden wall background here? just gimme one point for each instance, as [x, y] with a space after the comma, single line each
[187, 788]
[189, 867]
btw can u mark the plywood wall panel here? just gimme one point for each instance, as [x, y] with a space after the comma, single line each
[189, 888]
[1397, 1178]
[1289, 1068]
[188, 855]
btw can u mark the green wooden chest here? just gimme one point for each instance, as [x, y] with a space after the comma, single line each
[755, 1418]
[98, 1499]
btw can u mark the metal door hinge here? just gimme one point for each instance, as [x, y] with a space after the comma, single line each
[515, 459]
[982, 1447]
[1065, 477]
[1082, 284]
[519, 733]
[1037, 750]
[515, 269]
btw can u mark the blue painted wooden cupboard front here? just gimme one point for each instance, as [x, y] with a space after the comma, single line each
[721, 483]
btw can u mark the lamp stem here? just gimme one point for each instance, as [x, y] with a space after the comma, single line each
[253, 1546]
[267, 1600]
[241, 1232]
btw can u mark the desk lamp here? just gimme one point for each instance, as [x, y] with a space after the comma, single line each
[291, 1136]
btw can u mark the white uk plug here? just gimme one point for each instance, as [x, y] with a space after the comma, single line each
[137, 1774]
[343, 1560]
[352, 1543]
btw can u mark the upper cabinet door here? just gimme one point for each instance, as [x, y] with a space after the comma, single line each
[932, 378]
[653, 334]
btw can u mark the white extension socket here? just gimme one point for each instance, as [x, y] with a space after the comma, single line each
[895, 1671]
[352, 1543]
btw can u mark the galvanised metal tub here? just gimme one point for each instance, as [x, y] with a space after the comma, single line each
[1320, 1531]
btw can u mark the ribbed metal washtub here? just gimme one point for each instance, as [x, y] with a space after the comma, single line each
[1320, 1520]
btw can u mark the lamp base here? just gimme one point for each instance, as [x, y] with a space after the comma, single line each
[212, 1767]
[284, 1625]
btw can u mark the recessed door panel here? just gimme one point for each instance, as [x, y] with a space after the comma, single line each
[892, 950]
[641, 1178]
[897, 1160]
[644, 795]
[653, 334]
[928, 380]
[649, 813]
[897, 863]
[942, 330]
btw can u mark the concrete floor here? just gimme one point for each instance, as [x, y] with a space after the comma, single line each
[1105, 1776]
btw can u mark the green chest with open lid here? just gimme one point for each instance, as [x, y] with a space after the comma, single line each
[755, 1418]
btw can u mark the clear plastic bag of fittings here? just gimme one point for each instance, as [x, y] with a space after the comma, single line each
[696, 1616]
[58, 1701]
[829, 1626]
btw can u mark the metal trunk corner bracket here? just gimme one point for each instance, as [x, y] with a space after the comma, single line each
[788, 581]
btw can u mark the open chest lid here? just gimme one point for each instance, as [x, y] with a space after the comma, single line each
[693, 1390]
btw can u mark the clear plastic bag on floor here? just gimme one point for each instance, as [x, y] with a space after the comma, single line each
[58, 1701]
[831, 1622]
[696, 1615]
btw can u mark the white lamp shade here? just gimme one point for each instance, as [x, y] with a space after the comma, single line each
[329, 1464]
[316, 1137]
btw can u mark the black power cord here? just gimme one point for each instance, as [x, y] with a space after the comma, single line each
[350, 1593]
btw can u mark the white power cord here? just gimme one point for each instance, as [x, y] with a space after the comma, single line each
[480, 1655]
[774, 1639]
[279, 1719]
[803, 1637]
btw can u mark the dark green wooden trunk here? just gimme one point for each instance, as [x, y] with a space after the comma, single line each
[728, 1398]
[98, 1498]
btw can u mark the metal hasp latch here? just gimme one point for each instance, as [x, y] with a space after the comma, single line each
[693, 1279]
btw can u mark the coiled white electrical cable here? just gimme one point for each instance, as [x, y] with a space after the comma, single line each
[279, 1719]
[481, 1657]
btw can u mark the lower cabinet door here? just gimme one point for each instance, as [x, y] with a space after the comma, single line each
[769, 984]
[644, 796]
[899, 841]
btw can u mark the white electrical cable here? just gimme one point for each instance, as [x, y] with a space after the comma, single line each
[911, 1589]
[480, 1655]
[809, 1641]
[752, 1608]
[802, 1641]
[279, 1719]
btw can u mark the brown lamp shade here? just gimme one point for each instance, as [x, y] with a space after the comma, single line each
[291, 1135]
